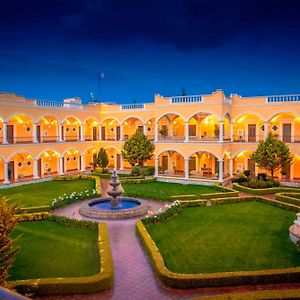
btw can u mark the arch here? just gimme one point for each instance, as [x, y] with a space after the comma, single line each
[170, 113]
[70, 149]
[18, 152]
[204, 111]
[90, 148]
[47, 115]
[112, 147]
[233, 155]
[47, 150]
[227, 116]
[109, 118]
[174, 150]
[1, 119]
[132, 117]
[282, 112]
[210, 152]
[70, 116]
[249, 113]
[91, 118]
[20, 113]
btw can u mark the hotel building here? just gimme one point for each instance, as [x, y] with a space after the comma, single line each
[198, 138]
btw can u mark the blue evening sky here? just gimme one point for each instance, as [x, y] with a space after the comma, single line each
[53, 49]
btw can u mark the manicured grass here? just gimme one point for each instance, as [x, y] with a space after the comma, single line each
[42, 194]
[232, 237]
[48, 249]
[164, 190]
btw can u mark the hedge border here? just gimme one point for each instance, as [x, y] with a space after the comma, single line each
[266, 191]
[178, 280]
[75, 285]
[288, 198]
[137, 181]
[254, 295]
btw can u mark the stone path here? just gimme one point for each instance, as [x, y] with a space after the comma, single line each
[134, 278]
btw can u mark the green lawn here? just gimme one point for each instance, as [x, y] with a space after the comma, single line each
[49, 249]
[42, 194]
[164, 190]
[232, 237]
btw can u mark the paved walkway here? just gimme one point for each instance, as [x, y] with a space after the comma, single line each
[134, 278]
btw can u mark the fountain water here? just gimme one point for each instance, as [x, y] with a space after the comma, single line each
[115, 207]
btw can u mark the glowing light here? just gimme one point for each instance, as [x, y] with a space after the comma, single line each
[68, 122]
[241, 119]
[240, 154]
[28, 156]
[95, 123]
[112, 122]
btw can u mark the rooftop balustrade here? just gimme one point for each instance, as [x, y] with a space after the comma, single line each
[283, 98]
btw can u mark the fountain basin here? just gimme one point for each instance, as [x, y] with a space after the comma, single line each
[100, 208]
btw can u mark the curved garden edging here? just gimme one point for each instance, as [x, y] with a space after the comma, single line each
[178, 280]
[75, 285]
[288, 198]
[265, 191]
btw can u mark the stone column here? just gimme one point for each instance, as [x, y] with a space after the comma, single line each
[145, 129]
[60, 133]
[156, 161]
[5, 133]
[221, 123]
[231, 166]
[6, 178]
[81, 133]
[82, 163]
[186, 132]
[35, 140]
[61, 167]
[155, 132]
[35, 169]
[231, 131]
[121, 163]
[186, 168]
[220, 170]
[266, 129]
[100, 133]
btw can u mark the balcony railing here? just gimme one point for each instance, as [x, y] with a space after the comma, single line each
[48, 139]
[171, 138]
[186, 99]
[89, 138]
[247, 138]
[283, 98]
[133, 106]
[57, 104]
[110, 138]
[71, 138]
[20, 140]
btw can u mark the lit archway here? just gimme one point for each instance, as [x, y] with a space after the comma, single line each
[71, 161]
[20, 166]
[48, 163]
[70, 129]
[171, 127]
[47, 129]
[171, 163]
[131, 126]
[20, 129]
[110, 130]
[90, 158]
[91, 129]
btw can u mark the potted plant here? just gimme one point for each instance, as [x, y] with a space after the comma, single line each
[163, 132]
[92, 165]
[21, 176]
[49, 171]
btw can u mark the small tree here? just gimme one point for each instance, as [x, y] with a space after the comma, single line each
[102, 159]
[8, 222]
[272, 155]
[138, 149]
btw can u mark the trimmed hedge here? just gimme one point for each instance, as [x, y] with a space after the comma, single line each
[36, 209]
[254, 295]
[74, 285]
[137, 181]
[265, 191]
[178, 280]
[224, 192]
[288, 198]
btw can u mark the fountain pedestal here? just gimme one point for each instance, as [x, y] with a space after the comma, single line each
[294, 230]
[114, 192]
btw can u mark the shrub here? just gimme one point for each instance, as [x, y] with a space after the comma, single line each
[147, 171]
[247, 173]
[246, 183]
[239, 178]
[135, 171]
[262, 176]
[253, 184]
[172, 209]
[261, 184]
[74, 197]
[73, 222]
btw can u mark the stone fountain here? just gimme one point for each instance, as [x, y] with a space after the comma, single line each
[115, 207]
[114, 192]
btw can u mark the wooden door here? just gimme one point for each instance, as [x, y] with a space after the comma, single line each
[118, 132]
[62, 133]
[38, 133]
[286, 132]
[39, 167]
[251, 166]
[165, 163]
[103, 133]
[95, 159]
[192, 164]
[11, 170]
[251, 132]
[10, 134]
[192, 130]
[95, 133]
[118, 161]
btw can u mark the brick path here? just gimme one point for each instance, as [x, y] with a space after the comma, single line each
[134, 278]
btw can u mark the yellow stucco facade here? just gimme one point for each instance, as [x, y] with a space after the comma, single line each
[199, 137]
